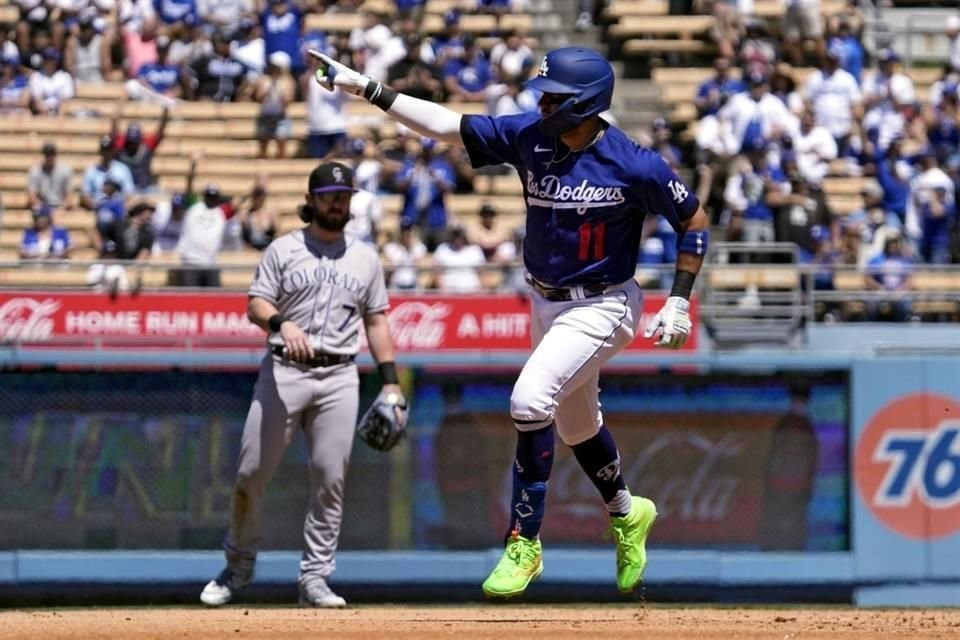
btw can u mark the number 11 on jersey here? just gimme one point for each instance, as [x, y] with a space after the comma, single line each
[591, 237]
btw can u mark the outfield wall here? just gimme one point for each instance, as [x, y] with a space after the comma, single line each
[125, 477]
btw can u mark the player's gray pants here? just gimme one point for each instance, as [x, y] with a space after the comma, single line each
[561, 381]
[289, 398]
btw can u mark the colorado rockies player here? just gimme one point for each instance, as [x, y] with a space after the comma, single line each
[587, 188]
[313, 289]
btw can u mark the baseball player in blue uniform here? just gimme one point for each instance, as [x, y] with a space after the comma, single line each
[587, 188]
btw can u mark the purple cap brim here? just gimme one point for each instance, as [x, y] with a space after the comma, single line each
[332, 189]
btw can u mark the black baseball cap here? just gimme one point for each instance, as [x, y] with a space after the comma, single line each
[331, 176]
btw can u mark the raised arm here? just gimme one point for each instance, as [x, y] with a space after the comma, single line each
[426, 118]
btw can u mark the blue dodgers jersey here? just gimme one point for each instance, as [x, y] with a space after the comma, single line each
[585, 210]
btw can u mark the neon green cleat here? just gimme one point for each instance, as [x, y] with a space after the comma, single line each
[521, 564]
[630, 534]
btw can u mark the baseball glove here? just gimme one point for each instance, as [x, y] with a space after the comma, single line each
[385, 423]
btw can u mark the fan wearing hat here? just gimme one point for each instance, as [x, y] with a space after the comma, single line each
[51, 86]
[201, 240]
[136, 149]
[87, 52]
[168, 219]
[274, 91]
[49, 181]
[752, 113]
[219, 75]
[44, 240]
[91, 191]
[492, 232]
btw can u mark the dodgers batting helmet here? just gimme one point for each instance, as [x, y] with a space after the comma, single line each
[582, 74]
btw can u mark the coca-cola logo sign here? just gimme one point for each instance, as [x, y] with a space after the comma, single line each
[27, 319]
[419, 325]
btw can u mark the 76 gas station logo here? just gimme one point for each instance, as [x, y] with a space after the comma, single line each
[907, 465]
[926, 465]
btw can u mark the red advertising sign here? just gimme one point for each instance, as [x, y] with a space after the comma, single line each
[419, 322]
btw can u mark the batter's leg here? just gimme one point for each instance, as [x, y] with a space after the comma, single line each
[330, 422]
[579, 339]
[279, 398]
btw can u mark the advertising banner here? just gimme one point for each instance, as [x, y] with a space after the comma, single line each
[907, 468]
[108, 460]
[420, 322]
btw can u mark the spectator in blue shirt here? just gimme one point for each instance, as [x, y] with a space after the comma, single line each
[174, 12]
[889, 272]
[893, 174]
[110, 208]
[161, 76]
[465, 79]
[44, 240]
[14, 88]
[849, 48]
[752, 192]
[316, 40]
[91, 191]
[281, 24]
[425, 181]
[448, 44]
[938, 216]
[663, 144]
[713, 93]
[823, 257]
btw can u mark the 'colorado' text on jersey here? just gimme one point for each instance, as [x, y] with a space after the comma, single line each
[585, 211]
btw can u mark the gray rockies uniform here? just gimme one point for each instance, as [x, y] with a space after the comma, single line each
[325, 289]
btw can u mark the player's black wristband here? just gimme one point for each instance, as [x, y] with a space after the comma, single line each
[388, 372]
[379, 95]
[275, 322]
[683, 284]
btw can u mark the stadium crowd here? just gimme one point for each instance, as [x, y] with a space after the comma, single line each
[766, 138]
[169, 50]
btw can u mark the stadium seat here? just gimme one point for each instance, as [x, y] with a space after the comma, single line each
[764, 277]
[684, 26]
[618, 9]
[642, 47]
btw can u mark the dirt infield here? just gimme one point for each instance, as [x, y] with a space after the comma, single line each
[477, 622]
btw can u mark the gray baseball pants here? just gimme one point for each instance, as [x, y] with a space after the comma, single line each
[288, 398]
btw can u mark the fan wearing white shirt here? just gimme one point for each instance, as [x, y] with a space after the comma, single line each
[758, 107]
[402, 256]
[952, 31]
[814, 147]
[50, 87]
[458, 263]
[366, 214]
[835, 96]
[885, 90]
[326, 124]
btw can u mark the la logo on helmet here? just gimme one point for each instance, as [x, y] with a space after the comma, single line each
[543, 68]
